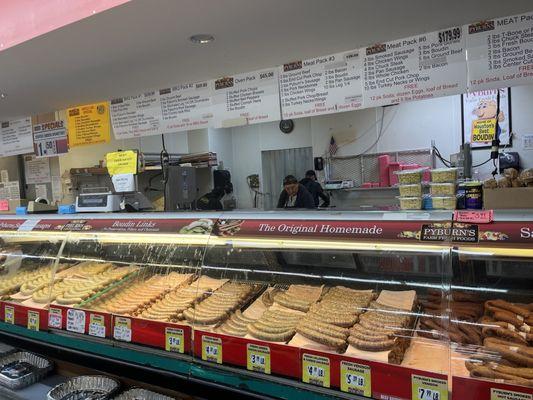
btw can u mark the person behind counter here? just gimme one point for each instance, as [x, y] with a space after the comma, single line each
[315, 188]
[294, 195]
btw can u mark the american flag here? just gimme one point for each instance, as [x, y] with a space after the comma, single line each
[332, 147]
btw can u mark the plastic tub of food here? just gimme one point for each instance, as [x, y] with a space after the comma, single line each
[410, 203]
[99, 387]
[444, 175]
[443, 202]
[414, 190]
[137, 393]
[22, 369]
[442, 189]
[409, 176]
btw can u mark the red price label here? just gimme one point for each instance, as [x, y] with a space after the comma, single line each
[474, 216]
[4, 205]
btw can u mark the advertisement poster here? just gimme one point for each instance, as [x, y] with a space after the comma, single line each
[88, 124]
[500, 52]
[136, 116]
[479, 117]
[50, 139]
[16, 137]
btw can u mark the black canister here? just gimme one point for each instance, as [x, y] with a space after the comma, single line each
[473, 195]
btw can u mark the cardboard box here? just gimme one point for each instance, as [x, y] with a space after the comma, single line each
[502, 198]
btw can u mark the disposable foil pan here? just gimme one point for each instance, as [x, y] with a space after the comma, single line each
[23, 369]
[6, 349]
[141, 394]
[89, 387]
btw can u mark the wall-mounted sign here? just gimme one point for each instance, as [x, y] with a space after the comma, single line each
[16, 137]
[50, 139]
[36, 170]
[88, 124]
[500, 52]
[136, 116]
[121, 162]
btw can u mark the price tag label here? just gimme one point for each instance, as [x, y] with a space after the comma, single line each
[355, 378]
[33, 320]
[174, 340]
[9, 315]
[315, 370]
[122, 329]
[474, 216]
[96, 325]
[4, 205]
[212, 349]
[426, 388]
[499, 394]
[258, 358]
[55, 318]
[75, 320]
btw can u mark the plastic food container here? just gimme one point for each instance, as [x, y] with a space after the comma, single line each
[137, 393]
[444, 175]
[410, 203]
[442, 189]
[409, 176]
[443, 202]
[22, 369]
[414, 190]
[98, 387]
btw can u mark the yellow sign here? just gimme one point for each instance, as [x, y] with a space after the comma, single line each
[33, 320]
[499, 394]
[9, 315]
[97, 325]
[212, 349]
[426, 388]
[483, 130]
[122, 329]
[121, 162]
[258, 358]
[315, 370]
[355, 378]
[88, 124]
[174, 340]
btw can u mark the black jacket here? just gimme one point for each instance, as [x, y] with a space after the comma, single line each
[316, 191]
[304, 199]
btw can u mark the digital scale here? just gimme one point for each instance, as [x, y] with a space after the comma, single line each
[98, 202]
[334, 185]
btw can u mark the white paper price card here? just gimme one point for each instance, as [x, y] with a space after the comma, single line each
[355, 378]
[96, 325]
[55, 318]
[136, 116]
[9, 314]
[258, 358]
[122, 329]
[33, 320]
[212, 349]
[75, 320]
[174, 340]
[16, 137]
[427, 388]
[315, 370]
[500, 394]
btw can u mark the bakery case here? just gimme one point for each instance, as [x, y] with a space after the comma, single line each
[387, 305]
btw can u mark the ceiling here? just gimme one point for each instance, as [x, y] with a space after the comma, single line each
[144, 44]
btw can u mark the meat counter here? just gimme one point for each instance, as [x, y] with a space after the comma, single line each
[382, 305]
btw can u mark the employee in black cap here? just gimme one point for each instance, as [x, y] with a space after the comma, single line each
[294, 195]
[315, 188]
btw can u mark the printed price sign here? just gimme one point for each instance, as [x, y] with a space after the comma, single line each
[55, 318]
[122, 329]
[76, 321]
[258, 358]
[355, 378]
[174, 340]
[4, 205]
[96, 325]
[212, 349]
[50, 139]
[426, 388]
[499, 394]
[315, 370]
[9, 315]
[473, 216]
[33, 320]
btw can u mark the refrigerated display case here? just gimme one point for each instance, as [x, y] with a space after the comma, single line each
[292, 305]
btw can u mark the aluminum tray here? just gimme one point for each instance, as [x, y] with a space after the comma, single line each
[89, 387]
[6, 349]
[23, 369]
[141, 394]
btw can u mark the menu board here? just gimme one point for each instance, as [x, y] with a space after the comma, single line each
[187, 106]
[248, 98]
[88, 124]
[136, 116]
[36, 170]
[415, 68]
[16, 137]
[500, 52]
[321, 85]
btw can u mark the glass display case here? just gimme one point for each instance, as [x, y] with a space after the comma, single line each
[382, 305]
